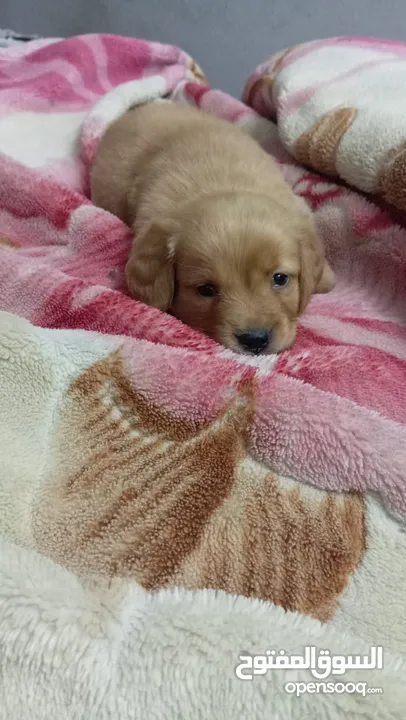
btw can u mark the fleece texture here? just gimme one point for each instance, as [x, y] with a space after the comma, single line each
[340, 107]
[332, 410]
[129, 536]
[166, 505]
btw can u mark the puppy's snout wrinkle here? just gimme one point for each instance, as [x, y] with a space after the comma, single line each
[254, 340]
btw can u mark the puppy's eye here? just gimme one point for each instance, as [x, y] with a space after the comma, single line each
[206, 290]
[280, 280]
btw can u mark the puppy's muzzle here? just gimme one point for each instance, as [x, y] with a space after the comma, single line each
[254, 340]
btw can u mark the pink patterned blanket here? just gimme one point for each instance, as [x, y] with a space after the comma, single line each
[156, 514]
[332, 410]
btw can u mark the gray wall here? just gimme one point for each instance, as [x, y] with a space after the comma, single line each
[226, 37]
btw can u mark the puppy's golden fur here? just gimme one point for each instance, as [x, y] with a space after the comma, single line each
[216, 228]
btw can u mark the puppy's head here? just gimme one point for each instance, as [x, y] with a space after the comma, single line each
[238, 267]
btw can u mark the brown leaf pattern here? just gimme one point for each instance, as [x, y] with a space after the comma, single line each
[136, 491]
[392, 179]
[317, 147]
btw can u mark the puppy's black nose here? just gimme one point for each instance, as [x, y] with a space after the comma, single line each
[254, 340]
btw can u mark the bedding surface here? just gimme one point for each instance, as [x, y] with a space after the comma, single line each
[158, 492]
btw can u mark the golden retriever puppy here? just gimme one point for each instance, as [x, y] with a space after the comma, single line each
[220, 240]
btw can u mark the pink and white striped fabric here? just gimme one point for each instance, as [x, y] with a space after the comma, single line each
[332, 410]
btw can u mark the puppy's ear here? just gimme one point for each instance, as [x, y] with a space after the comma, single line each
[316, 275]
[150, 269]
